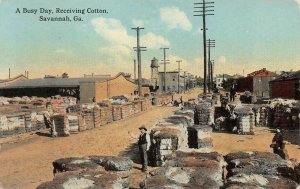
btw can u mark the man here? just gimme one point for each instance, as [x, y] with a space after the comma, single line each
[144, 145]
[277, 142]
[48, 121]
[232, 93]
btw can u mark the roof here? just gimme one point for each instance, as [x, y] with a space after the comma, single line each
[154, 63]
[262, 73]
[52, 82]
[290, 76]
[169, 72]
[13, 78]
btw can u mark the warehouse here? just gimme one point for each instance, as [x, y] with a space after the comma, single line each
[85, 88]
[108, 88]
[287, 86]
[257, 82]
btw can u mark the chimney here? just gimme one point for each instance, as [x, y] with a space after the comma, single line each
[8, 73]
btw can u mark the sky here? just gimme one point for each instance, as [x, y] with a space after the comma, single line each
[249, 35]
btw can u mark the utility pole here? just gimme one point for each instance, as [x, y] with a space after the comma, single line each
[8, 73]
[212, 62]
[138, 50]
[184, 81]
[204, 11]
[134, 64]
[210, 43]
[165, 68]
[179, 61]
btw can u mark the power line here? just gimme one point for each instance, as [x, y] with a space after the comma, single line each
[138, 50]
[204, 10]
[165, 68]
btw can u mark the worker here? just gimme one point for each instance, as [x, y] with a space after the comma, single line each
[48, 121]
[144, 143]
[232, 93]
[277, 142]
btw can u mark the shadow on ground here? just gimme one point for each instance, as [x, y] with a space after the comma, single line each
[43, 134]
[132, 152]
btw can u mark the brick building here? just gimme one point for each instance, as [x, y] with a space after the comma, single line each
[286, 86]
[257, 82]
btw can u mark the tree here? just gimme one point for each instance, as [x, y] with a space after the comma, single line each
[65, 75]
[227, 84]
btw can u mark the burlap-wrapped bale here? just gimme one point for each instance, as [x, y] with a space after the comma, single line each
[199, 137]
[189, 113]
[204, 113]
[92, 179]
[109, 163]
[166, 141]
[61, 124]
[258, 169]
[182, 177]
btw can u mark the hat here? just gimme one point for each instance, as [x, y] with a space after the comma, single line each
[277, 130]
[143, 128]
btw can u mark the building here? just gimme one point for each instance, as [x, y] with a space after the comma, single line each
[173, 81]
[257, 82]
[103, 89]
[85, 88]
[286, 86]
[6, 82]
[220, 78]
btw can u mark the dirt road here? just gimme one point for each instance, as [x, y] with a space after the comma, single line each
[225, 143]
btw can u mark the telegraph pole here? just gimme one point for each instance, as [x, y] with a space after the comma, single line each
[184, 80]
[138, 50]
[204, 11]
[212, 73]
[210, 43]
[165, 68]
[179, 61]
[134, 64]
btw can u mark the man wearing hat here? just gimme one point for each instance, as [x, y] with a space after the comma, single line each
[144, 145]
[277, 142]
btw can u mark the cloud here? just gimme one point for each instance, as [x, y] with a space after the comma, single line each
[193, 66]
[137, 23]
[150, 40]
[298, 2]
[112, 30]
[174, 18]
[116, 50]
[117, 54]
